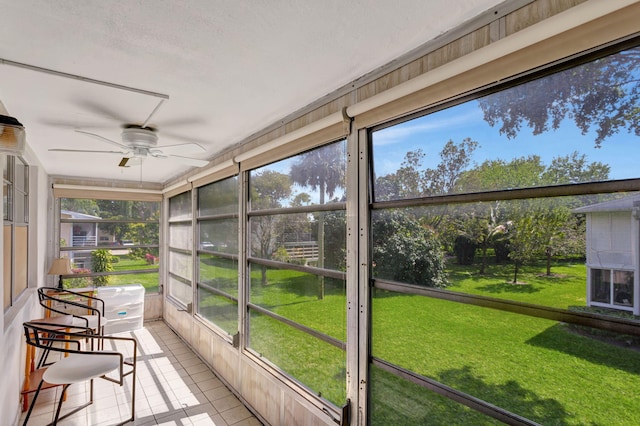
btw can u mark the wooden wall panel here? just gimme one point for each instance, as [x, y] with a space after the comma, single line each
[536, 12]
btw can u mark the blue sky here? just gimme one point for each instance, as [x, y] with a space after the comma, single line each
[431, 132]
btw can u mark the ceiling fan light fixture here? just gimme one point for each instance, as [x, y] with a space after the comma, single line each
[139, 136]
[12, 135]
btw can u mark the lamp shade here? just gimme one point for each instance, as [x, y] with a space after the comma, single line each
[12, 136]
[61, 266]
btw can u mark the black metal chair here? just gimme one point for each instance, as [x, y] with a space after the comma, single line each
[87, 310]
[80, 361]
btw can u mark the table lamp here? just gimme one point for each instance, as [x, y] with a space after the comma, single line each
[61, 266]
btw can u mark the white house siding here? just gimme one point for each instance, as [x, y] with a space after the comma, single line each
[610, 242]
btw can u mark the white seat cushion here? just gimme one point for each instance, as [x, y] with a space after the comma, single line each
[78, 368]
[93, 321]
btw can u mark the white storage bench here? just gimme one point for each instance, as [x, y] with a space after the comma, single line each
[123, 307]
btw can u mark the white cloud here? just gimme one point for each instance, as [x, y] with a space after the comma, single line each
[398, 133]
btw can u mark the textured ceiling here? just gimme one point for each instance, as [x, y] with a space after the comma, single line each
[230, 68]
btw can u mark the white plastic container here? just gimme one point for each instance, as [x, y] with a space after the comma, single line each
[123, 307]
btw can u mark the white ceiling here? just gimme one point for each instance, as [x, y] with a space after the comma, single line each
[230, 68]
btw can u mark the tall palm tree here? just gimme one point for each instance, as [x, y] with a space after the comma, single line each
[321, 169]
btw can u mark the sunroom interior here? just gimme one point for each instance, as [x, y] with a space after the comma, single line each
[351, 213]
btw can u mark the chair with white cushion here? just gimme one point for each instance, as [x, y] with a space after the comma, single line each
[87, 310]
[79, 361]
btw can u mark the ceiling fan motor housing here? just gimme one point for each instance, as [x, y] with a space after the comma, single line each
[139, 137]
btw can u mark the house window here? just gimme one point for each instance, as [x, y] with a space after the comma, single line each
[612, 287]
[110, 242]
[218, 253]
[16, 228]
[601, 286]
[181, 248]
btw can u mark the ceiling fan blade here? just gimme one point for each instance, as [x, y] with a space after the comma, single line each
[184, 138]
[102, 138]
[185, 147]
[184, 121]
[190, 161]
[88, 151]
[67, 124]
[102, 110]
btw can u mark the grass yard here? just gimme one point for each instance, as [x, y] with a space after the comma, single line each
[148, 280]
[566, 286]
[535, 368]
[294, 295]
[221, 274]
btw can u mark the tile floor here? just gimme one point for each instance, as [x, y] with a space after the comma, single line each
[173, 387]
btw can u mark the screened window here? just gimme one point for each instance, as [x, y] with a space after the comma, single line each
[16, 228]
[218, 253]
[110, 242]
[484, 215]
[612, 287]
[297, 296]
[181, 247]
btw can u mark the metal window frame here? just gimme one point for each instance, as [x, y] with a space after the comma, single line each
[603, 322]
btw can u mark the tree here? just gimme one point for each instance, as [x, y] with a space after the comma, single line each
[321, 169]
[268, 189]
[499, 174]
[485, 226]
[602, 95]
[555, 233]
[219, 197]
[335, 235]
[541, 228]
[410, 181]
[455, 158]
[79, 205]
[406, 251]
[523, 242]
[122, 210]
[573, 168]
[558, 232]
[488, 223]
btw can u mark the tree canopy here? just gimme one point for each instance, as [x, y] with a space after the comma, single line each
[601, 95]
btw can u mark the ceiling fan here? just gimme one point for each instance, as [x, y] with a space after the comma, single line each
[140, 142]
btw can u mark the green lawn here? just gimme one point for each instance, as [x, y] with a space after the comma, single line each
[221, 274]
[149, 280]
[566, 286]
[535, 368]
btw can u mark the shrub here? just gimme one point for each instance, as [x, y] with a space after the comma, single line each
[79, 282]
[281, 255]
[137, 253]
[406, 251]
[101, 261]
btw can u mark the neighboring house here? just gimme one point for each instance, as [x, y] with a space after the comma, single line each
[613, 243]
[79, 234]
